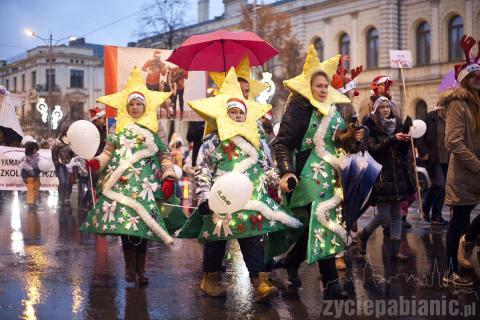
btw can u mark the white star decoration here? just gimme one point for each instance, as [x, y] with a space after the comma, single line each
[127, 187]
[134, 189]
[308, 141]
[149, 233]
[275, 207]
[113, 227]
[269, 201]
[87, 224]
[240, 216]
[151, 206]
[218, 156]
[325, 186]
[272, 223]
[142, 163]
[120, 220]
[97, 225]
[255, 170]
[205, 234]
[104, 227]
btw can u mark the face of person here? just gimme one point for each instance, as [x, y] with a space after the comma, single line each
[245, 89]
[135, 109]
[319, 87]
[100, 121]
[384, 109]
[474, 81]
[237, 115]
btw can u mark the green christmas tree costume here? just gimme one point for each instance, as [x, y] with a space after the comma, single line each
[262, 215]
[317, 186]
[129, 201]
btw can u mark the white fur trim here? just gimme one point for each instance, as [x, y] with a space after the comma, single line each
[129, 202]
[248, 149]
[349, 86]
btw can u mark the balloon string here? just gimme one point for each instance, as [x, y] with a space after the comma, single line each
[91, 185]
[178, 206]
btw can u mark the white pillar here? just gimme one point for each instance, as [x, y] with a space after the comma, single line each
[434, 34]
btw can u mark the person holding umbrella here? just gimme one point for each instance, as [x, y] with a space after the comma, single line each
[309, 174]
[389, 146]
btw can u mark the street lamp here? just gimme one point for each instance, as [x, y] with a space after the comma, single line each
[49, 42]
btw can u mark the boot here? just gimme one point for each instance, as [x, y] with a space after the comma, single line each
[263, 287]
[129, 256]
[396, 254]
[340, 263]
[293, 278]
[465, 249]
[362, 241]
[211, 286]
[140, 268]
[334, 291]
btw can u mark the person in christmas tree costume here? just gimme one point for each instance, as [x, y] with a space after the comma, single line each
[308, 162]
[134, 159]
[235, 147]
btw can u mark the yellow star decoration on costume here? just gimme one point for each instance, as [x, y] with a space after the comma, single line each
[153, 99]
[301, 83]
[242, 71]
[214, 111]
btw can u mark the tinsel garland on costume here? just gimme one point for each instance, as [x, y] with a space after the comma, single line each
[151, 149]
[323, 207]
[256, 205]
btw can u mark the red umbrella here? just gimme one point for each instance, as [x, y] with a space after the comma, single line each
[220, 50]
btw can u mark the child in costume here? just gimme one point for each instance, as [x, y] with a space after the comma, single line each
[308, 163]
[135, 160]
[234, 147]
[31, 173]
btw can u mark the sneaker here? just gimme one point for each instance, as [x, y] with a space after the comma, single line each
[457, 280]
[439, 221]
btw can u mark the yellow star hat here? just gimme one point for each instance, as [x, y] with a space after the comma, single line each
[242, 71]
[153, 99]
[214, 111]
[301, 83]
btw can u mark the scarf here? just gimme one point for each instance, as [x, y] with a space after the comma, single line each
[389, 124]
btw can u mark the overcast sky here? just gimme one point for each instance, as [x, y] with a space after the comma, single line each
[75, 17]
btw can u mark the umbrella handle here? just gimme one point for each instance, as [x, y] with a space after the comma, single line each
[224, 62]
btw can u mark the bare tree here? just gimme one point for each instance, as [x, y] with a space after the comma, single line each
[274, 27]
[162, 20]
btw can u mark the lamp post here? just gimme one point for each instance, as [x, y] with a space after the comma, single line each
[49, 42]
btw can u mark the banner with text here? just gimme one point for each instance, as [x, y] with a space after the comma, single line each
[10, 170]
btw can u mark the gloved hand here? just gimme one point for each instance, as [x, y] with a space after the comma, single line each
[93, 164]
[167, 188]
[204, 209]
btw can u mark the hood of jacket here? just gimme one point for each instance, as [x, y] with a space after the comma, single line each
[461, 94]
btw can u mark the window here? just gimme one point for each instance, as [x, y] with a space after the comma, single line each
[50, 77]
[455, 33]
[372, 48]
[421, 110]
[344, 48]
[7, 84]
[76, 111]
[23, 82]
[34, 79]
[76, 78]
[14, 84]
[423, 43]
[319, 47]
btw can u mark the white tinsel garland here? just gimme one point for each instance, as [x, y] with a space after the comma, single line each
[151, 149]
[256, 205]
[322, 211]
[268, 213]
[323, 207]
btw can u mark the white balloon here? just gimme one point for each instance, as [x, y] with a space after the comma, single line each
[45, 164]
[230, 193]
[276, 128]
[178, 171]
[26, 139]
[418, 129]
[84, 138]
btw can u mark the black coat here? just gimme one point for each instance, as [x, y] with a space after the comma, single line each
[395, 181]
[293, 127]
[428, 144]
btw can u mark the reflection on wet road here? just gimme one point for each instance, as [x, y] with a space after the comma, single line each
[49, 270]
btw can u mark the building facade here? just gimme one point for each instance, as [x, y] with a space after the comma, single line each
[366, 30]
[76, 73]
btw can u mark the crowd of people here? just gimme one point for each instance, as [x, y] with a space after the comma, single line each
[295, 209]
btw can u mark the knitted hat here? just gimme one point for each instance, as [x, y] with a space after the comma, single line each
[341, 81]
[136, 96]
[470, 65]
[236, 103]
[378, 102]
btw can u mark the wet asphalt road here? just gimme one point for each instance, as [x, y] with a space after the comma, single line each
[49, 270]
